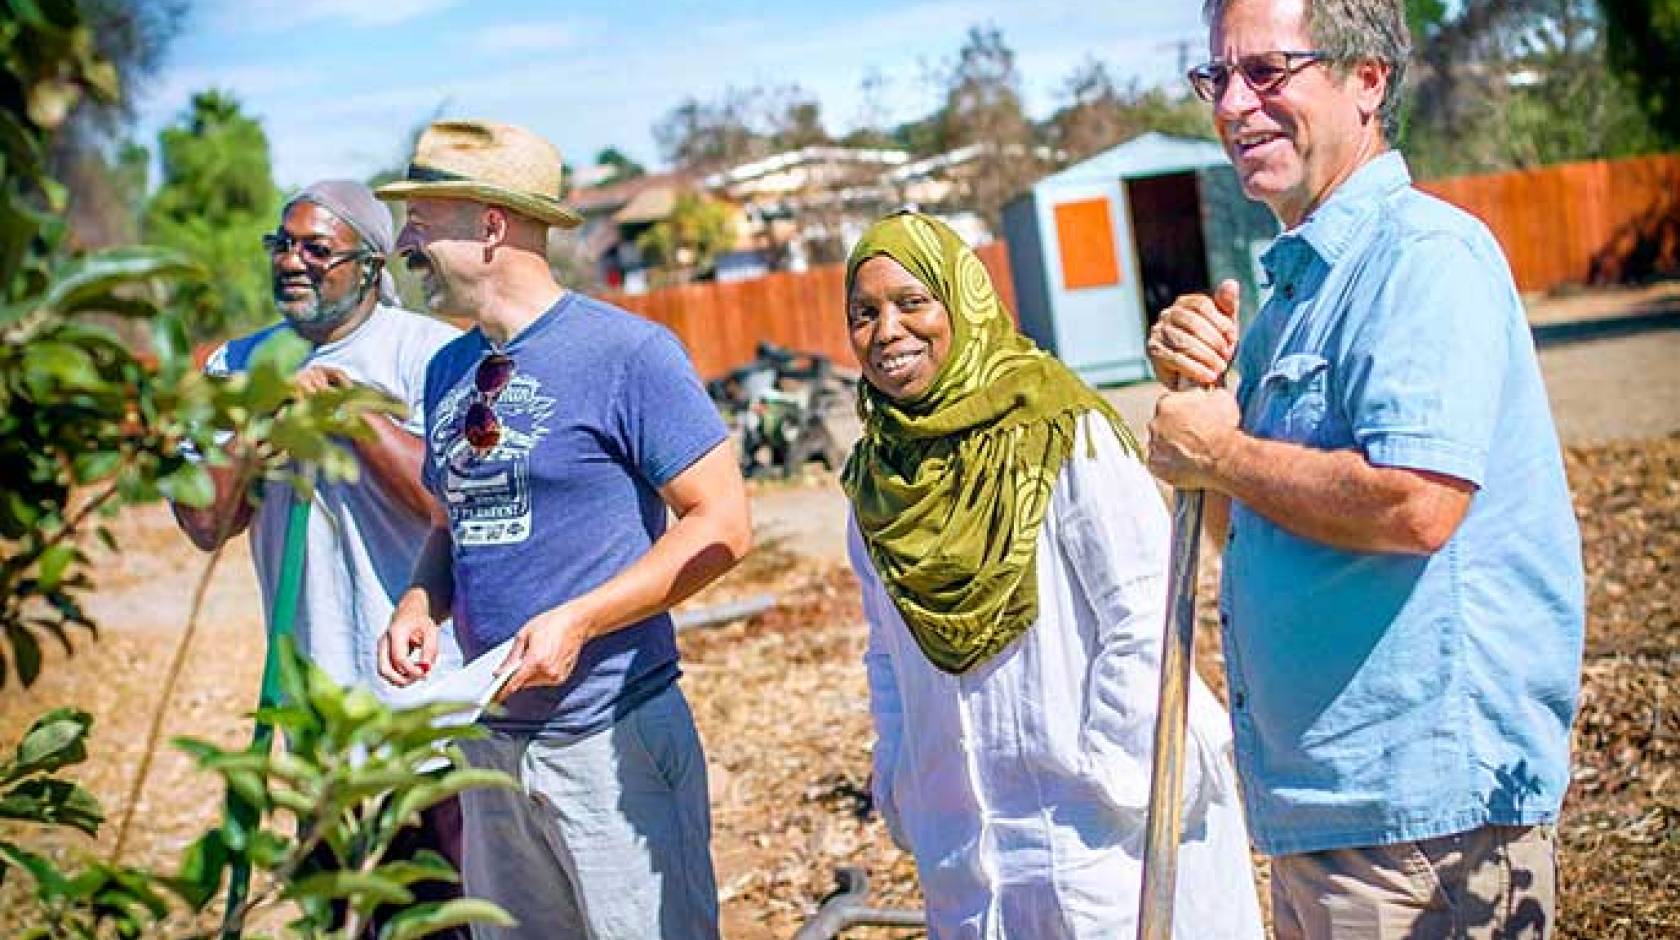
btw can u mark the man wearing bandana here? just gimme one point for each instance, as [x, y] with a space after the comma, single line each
[327, 259]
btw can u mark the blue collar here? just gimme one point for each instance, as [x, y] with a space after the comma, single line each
[1329, 229]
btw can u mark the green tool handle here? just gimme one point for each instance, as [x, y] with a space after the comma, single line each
[282, 620]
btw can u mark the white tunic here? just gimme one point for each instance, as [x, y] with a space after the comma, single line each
[362, 541]
[1022, 786]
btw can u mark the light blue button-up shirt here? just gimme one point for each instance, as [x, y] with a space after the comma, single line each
[1381, 698]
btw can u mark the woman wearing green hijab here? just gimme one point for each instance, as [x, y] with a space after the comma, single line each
[1012, 553]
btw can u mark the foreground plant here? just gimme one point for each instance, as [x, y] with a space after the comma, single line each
[313, 820]
[89, 425]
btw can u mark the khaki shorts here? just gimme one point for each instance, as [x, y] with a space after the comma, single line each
[1492, 883]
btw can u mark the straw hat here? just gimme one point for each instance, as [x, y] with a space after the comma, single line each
[499, 164]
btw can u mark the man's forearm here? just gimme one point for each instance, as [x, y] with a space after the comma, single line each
[1340, 499]
[392, 457]
[229, 511]
[431, 589]
[696, 550]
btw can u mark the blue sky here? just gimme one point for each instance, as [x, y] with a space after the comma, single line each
[339, 83]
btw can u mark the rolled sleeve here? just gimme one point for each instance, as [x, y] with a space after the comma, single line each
[1425, 364]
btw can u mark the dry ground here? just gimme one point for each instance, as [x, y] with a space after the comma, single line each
[781, 699]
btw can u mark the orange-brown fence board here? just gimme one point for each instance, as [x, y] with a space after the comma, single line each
[722, 324]
[1578, 223]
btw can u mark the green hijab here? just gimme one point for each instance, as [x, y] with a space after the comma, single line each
[950, 489]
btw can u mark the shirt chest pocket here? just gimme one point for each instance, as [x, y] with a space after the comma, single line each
[1292, 402]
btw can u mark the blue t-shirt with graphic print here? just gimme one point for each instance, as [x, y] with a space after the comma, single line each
[603, 409]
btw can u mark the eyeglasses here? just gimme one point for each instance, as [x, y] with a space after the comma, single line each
[480, 426]
[315, 251]
[1265, 72]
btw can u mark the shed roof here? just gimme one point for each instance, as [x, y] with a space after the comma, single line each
[1151, 154]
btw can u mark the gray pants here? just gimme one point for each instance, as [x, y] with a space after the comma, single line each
[1492, 883]
[607, 839]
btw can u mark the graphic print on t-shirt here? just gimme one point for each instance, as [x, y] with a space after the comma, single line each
[489, 493]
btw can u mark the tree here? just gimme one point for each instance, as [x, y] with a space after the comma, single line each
[982, 106]
[1516, 83]
[1643, 41]
[1098, 114]
[741, 124]
[623, 167]
[792, 118]
[706, 136]
[688, 242]
[1093, 118]
[870, 128]
[216, 199]
[106, 200]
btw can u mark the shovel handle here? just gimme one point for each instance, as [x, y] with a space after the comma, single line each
[1166, 785]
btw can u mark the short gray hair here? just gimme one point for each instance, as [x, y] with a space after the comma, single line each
[1349, 31]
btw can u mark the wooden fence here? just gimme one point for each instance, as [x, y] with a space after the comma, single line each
[1601, 222]
[722, 323]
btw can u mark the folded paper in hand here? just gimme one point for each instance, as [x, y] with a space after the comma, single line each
[474, 685]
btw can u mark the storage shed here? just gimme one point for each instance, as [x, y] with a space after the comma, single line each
[1098, 249]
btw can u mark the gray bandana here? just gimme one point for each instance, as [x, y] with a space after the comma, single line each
[354, 204]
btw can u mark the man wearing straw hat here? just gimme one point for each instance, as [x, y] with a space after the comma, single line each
[327, 259]
[560, 431]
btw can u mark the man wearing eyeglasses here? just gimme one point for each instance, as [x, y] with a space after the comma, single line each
[327, 260]
[1402, 595]
[562, 433]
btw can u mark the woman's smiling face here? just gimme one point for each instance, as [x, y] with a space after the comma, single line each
[899, 330]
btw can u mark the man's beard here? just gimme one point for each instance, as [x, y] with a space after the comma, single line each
[319, 315]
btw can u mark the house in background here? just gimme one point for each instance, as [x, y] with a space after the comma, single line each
[606, 242]
[807, 206]
[789, 211]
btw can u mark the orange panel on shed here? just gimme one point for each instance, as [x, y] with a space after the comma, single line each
[1085, 232]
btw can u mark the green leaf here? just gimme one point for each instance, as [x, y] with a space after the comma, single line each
[190, 485]
[61, 364]
[52, 802]
[269, 849]
[424, 866]
[21, 148]
[93, 466]
[169, 339]
[88, 282]
[425, 919]
[53, 563]
[201, 870]
[455, 782]
[249, 787]
[347, 884]
[50, 881]
[283, 351]
[56, 739]
[26, 653]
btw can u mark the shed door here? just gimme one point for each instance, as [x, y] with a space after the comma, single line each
[1092, 270]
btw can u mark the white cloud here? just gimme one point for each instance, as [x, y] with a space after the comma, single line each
[506, 38]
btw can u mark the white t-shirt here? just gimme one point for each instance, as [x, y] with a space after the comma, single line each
[362, 540]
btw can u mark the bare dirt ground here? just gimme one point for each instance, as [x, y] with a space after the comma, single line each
[782, 703]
